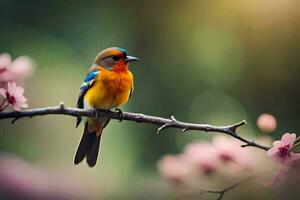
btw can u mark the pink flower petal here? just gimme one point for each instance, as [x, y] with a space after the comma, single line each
[229, 151]
[278, 143]
[16, 107]
[15, 96]
[24, 105]
[2, 92]
[288, 138]
[281, 150]
[16, 71]
[21, 99]
[272, 152]
[202, 155]
[295, 156]
[5, 60]
[22, 67]
[174, 168]
[7, 76]
[18, 92]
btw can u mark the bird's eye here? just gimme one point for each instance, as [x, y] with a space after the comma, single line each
[115, 58]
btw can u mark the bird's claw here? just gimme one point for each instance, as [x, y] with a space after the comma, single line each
[121, 114]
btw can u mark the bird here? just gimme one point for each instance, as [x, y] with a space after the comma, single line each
[107, 85]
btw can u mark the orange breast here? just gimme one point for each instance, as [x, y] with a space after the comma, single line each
[111, 89]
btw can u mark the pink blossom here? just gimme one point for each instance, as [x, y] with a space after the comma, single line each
[15, 71]
[286, 173]
[266, 123]
[22, 67]
[24, 180]
[202, 156]
[174, 168]
[5, 74]
[5, 60]
[13, 96]
[281, 150]
[229, 150]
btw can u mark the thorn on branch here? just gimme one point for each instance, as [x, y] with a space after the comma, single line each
[237, 125]
[248, 144]
[172, 122]
[185, 129]
[61, 105]
[14, 120]
[233, 127]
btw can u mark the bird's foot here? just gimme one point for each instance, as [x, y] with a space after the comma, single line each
[121, 114]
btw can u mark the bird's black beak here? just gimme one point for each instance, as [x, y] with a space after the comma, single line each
[131, 58]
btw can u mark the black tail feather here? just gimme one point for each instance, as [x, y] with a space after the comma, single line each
[88, 146]
[92, 154]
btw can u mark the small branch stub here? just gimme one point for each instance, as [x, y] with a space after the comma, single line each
[237, 125]
[172, 122]
[62, 106]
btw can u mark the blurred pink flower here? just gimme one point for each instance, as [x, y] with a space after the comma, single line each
[5, 74]
[5, 60]
[13, 96]
[203, 156]
[20, 179]
[15, 71]
[174, 168]
[281, 150]
[280, 176]
[230, 150]
[22, 67]
[286, 173]
[266, 123]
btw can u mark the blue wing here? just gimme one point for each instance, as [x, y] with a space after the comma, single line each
[89, 79]
[87, 83]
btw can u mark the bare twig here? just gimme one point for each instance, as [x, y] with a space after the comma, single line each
[137, 117]
[222, 192]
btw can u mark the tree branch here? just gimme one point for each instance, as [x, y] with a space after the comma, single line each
[164, 123]
[222, 192]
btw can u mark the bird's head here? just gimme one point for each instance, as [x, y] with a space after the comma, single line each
[113, 57]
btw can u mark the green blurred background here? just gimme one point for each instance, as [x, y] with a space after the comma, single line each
[214, 62]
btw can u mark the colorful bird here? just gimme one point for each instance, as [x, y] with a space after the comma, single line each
[107, 85]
